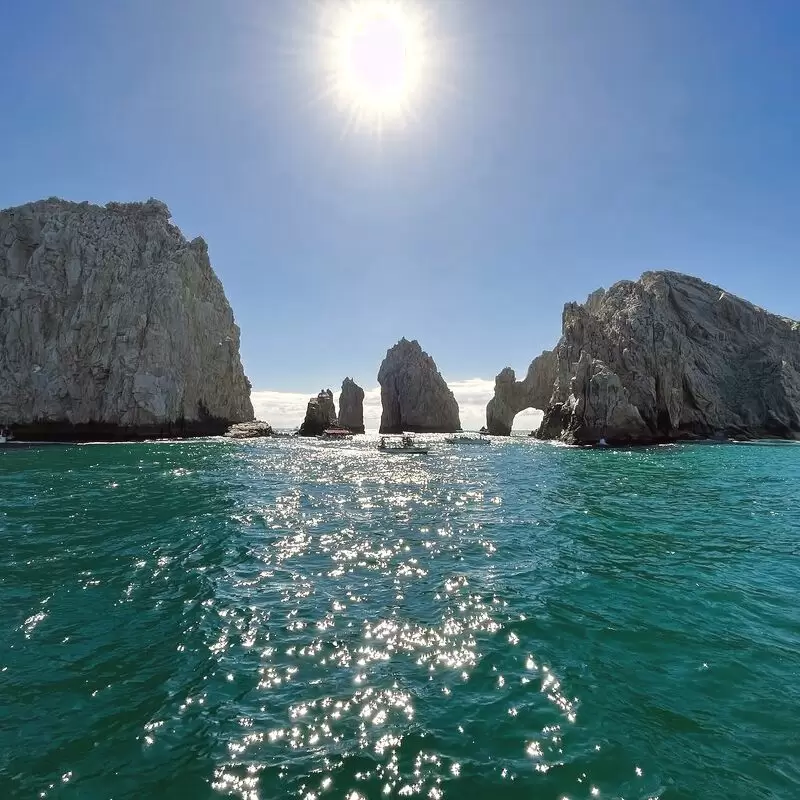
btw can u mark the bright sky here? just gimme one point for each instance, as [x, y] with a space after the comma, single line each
[525, 153]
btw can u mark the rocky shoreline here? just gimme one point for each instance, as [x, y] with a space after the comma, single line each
[663, 359]
[113, 326]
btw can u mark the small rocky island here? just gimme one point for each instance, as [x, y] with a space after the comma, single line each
[249, 430]
[668, 357]
[321, 411]
[414, 396]
[320, 414]
[113, 326]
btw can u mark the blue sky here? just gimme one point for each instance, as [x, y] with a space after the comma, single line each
[557, 146]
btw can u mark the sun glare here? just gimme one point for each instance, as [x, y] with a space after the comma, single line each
[377, 52]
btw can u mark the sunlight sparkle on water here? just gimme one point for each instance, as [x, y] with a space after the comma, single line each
[325, 622]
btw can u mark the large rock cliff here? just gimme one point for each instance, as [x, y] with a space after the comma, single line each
[414, 396]
[113, 325]
[671, 357]
[351, 406]
[320, 414]
[512, 396]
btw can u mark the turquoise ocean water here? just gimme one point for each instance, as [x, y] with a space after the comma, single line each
[296, 619]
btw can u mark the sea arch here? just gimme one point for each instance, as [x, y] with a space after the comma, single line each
[512, 396]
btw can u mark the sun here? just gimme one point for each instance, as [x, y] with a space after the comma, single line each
[377, 58]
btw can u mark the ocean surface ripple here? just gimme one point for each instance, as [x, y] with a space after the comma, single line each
[288, 618]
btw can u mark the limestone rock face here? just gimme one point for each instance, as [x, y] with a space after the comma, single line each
[414, 396]
[249, 430]
[113, 325]
[320, 414]
[671, 357]
[351, 406]
[512, 396]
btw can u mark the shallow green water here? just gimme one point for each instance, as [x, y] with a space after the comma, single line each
[294, 619]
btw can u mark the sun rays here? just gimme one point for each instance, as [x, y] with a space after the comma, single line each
[377, 60]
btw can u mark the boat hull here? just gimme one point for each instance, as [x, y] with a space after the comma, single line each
[405, 450]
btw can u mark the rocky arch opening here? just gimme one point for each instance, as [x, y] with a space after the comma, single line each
[527, 420]
[517, 418]
[518, 403]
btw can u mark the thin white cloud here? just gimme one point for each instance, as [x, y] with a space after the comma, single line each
[280, 409]
[287, 409]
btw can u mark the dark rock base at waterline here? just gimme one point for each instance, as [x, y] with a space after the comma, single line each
[679, 437]
[499, 430]
[63, 431]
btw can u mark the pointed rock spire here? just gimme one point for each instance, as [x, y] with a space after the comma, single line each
[414, 396]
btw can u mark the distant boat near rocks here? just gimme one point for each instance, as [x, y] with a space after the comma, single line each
[467, 438]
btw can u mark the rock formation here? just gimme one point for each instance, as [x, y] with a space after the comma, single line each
[320, 414]
[113, 325]
[670, 357]
[414, 396]
[249, 430]
[351, 406]
[512, 396]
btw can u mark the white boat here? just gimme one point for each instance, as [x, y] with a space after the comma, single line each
[9, 442]
[335, 434]
[406, 444]
[466, 438]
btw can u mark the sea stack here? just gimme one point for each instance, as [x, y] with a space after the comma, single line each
[320, 414]
[512, 396]
[670, 357]
[113, 326]
[351, 406]
[414, 396]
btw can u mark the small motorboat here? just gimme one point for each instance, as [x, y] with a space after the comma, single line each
[405, 444]
[336, 434]
[466, 438]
